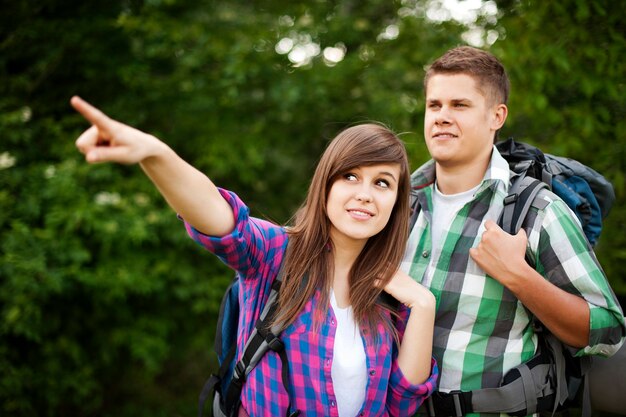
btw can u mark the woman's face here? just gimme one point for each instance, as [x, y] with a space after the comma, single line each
[360, 202]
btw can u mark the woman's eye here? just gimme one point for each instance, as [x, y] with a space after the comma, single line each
[383, 183]
[350, 177]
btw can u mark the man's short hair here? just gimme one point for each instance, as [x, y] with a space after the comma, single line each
[486, 69]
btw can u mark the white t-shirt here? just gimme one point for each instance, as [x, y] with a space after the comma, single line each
[349, 369]
[445, 208]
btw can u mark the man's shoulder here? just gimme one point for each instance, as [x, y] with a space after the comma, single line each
[424, 175]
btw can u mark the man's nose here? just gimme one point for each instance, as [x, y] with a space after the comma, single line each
[443, 116]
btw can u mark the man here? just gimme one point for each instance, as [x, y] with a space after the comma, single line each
[486, 291]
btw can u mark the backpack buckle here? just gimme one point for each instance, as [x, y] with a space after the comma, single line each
[510, 199]
[239, 373]
[457, 402]
[274, 343]
[448, 404]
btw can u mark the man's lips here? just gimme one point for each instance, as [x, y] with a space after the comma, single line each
[444, 135]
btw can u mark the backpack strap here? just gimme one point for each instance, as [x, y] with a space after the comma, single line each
[214, 380]
[522, 195]
[527, 389]
[415, 209]
[262, 339]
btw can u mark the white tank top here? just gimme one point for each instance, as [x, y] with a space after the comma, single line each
[349, 369]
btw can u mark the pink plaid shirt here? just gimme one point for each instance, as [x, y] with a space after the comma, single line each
[255, 250]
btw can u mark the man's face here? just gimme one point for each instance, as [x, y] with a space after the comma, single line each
[460, 122]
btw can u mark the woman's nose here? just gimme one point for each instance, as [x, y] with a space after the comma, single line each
[364, 196]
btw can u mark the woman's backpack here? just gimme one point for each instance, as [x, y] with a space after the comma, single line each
[225, 386]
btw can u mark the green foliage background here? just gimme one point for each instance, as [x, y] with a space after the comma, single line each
[106, 307]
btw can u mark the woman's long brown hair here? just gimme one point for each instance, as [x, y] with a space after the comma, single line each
[310, 247]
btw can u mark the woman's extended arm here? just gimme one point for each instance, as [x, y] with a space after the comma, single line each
[415, 352]
[188, 191]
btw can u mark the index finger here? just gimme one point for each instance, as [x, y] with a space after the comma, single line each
[490, 224]
[89, 112]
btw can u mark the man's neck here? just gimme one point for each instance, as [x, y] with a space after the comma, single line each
[457, 179]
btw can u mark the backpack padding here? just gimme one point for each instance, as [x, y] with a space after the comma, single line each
[607, 383]
[522, 196]
[537, 385]
[227, 319]
[415, 209]
[520, 397]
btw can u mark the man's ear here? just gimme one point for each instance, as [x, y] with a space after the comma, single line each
[500, 111]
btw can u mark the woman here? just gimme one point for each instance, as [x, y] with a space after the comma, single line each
[348, 353]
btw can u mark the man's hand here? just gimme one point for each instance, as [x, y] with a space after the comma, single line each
[108, 140]
[500, 254]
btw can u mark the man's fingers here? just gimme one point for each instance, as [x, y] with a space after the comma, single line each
[89, 112]
[490, 224]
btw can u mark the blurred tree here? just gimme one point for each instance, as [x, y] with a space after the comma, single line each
[568, 87]
[107, 307]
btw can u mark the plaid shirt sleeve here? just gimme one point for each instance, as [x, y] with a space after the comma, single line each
[564, 257]
[403, 397]
[251, 246]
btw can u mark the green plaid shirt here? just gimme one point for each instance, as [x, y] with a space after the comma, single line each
[481, 329]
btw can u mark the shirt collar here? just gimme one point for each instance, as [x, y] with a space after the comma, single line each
[497, 173]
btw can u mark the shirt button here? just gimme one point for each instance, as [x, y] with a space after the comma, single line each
[332, 403]
[327, 362]
[373, 372]
[425, 254]
[332, 322]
